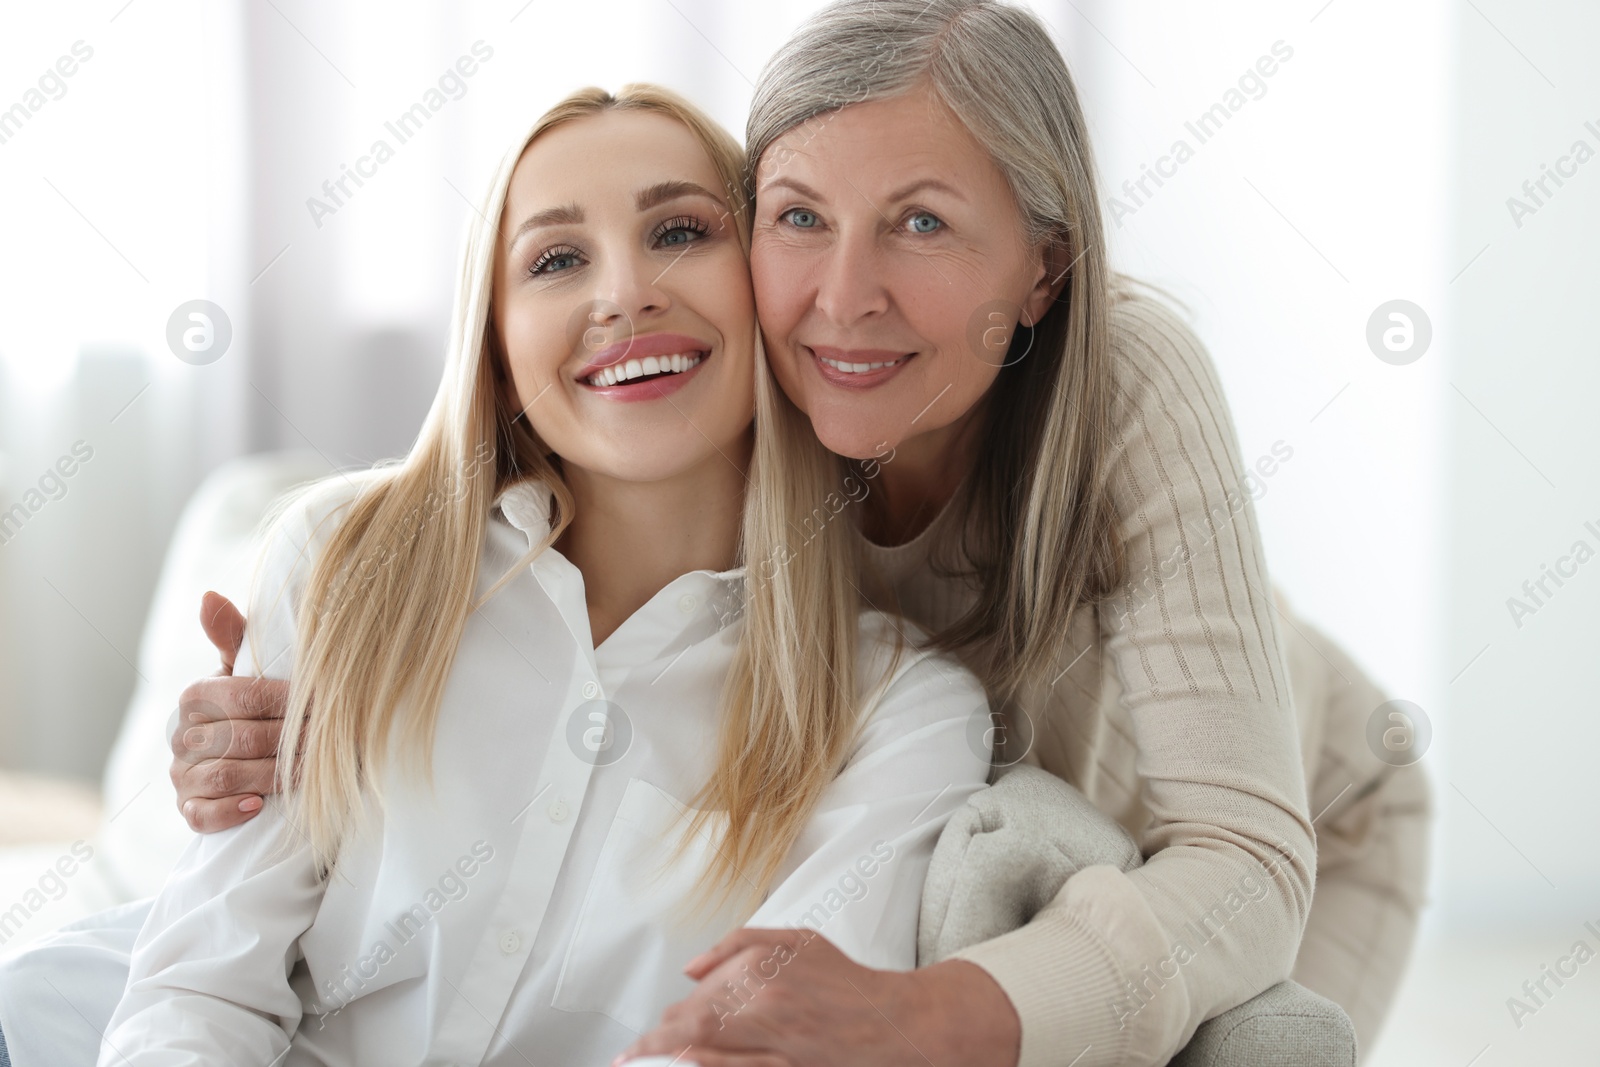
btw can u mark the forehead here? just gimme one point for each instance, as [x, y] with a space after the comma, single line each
[893, 135]
[611, 153]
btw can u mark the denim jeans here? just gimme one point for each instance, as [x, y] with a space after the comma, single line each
[5, 1057]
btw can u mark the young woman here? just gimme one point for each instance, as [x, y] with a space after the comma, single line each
[555, 739]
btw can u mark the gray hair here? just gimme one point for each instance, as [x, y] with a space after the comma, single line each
[1042, 552]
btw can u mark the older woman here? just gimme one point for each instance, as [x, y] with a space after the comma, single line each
[1066, 507]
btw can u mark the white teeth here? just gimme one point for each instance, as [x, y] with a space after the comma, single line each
[860, 368]
[627, 370]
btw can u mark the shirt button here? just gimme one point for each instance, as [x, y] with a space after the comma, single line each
[591, 690]
[510, 942]
[687, 603]
[558, 811]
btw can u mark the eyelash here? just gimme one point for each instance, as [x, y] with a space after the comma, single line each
[537, 267]
[679, 222]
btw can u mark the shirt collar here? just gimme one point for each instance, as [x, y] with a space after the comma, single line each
[528, 505]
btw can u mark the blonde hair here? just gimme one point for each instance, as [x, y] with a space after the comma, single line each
[370, 644]
[1041, 533]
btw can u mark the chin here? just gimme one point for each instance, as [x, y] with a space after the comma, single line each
[853, 439]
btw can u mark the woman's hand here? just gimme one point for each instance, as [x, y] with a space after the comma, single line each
[225, 744]
[789, 998]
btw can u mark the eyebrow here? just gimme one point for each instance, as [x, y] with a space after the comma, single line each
[925, 183]
[566, 215]
[645, 199]
[798, 186]
[895, 197]
[661, 192]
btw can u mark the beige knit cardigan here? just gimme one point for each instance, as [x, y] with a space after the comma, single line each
[1171, 708]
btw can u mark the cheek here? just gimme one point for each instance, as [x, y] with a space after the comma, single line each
[949, 313]
[736, 296]
[718, 291]
[958, 374]
[786, 372]
[530, 358]
[971, 374]
[781, 297]
[781, 291]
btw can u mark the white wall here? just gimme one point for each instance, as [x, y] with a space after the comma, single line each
[1524, 477]
[125, 197]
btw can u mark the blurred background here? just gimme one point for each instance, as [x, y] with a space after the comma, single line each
[1438, 152]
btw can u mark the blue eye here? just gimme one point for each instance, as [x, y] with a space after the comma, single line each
[923, 222]
[680, 231]
[799, 216]
[554, 261]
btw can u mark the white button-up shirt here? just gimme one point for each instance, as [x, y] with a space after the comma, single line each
[519, 911]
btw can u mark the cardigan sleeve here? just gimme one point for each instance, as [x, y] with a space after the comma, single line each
[1373, 824]
[1122, 967]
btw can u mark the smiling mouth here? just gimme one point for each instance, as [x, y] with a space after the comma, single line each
[861, 368]
[645, 369]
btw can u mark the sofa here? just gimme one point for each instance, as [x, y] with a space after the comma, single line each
[66, 852]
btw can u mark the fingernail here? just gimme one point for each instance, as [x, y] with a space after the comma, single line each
[249, 803]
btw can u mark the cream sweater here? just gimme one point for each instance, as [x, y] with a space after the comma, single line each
[1172, 709]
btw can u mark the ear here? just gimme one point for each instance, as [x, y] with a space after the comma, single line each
[1056, 263]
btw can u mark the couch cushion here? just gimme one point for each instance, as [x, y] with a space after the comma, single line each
[214, 547]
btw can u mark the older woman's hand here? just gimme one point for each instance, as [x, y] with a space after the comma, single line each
[225, 739]
[790, 998]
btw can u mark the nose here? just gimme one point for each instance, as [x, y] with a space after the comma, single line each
[851, 286]
[631, 287]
